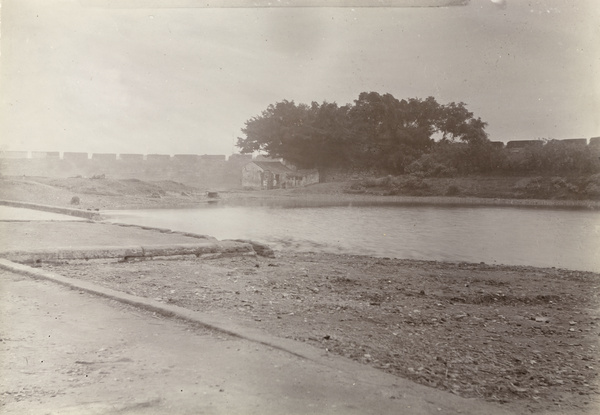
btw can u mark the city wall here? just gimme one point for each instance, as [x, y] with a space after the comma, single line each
[197, 170]
[517, 145]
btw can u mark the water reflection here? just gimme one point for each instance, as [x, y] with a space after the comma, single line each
[519, 236]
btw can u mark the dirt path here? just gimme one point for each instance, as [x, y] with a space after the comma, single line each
[524, 337]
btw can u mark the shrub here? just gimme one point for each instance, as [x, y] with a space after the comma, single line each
[414, 182]
[452, 190]
[429, 166]
[591, 186]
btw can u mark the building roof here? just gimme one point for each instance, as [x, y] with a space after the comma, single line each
[273, 166]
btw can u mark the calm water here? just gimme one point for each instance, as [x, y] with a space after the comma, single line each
[516, 236]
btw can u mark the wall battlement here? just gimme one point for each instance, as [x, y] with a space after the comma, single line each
[131, 157]
[116, 156]
[210, 171]
[104, 156]
[74, 156]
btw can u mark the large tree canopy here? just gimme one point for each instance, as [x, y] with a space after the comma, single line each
[376, 131]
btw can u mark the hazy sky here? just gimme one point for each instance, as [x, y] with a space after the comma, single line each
[77, 75]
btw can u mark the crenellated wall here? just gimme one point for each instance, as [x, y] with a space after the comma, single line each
[524, 143]
[104, 156]
[44, 154]
[198, 170]
[205, 171]
[579, 142]
[131, 157]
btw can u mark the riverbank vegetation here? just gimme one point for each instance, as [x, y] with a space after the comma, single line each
[505, 187]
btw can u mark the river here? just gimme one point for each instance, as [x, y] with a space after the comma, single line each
[539, 237]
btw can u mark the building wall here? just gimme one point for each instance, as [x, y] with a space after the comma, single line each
[310, 177]
[252, 177]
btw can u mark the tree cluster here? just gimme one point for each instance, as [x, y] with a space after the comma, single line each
[389, 136]
[376, 131]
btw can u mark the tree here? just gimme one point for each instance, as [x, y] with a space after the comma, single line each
[314, 136]
[332, 136]
[456, 122]
[275, 130]
[377, 131]
[394, 133]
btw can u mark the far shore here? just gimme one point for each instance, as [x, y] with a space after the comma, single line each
[110, 194]
[344, 198]
[251, 198]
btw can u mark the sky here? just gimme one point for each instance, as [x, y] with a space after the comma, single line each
[173, 77]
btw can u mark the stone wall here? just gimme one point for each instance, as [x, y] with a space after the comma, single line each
[519, 145]
[204, 171]
[579, 142]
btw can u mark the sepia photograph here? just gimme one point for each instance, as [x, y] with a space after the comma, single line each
[294, 207]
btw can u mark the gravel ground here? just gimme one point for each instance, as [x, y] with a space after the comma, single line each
[521, 336]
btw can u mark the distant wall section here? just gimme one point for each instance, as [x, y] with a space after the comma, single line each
[209, 171]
